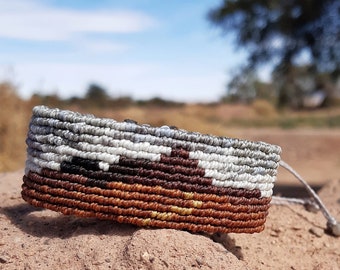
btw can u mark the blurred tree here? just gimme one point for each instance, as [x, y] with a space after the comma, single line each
[245, 86]
[96, 92]
[282, 33]
[52, 100]
[242, 85]
[96, 95]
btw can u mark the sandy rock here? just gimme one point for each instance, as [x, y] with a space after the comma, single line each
[171, 249]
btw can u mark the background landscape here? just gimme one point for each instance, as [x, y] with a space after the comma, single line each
[258, 70]
[310, 139]
[310, 142]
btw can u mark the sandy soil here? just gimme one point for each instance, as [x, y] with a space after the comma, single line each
[32, 238]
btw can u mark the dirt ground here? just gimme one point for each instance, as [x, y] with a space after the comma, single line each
[294, 238]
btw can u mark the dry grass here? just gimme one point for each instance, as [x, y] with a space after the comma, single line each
[210, 119]
[14, 119]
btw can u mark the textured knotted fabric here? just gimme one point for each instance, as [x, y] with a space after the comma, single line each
[148, 176]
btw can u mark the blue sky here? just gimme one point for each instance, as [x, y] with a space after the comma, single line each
[140, 48]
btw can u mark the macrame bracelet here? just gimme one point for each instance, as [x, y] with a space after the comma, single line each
[158, 177]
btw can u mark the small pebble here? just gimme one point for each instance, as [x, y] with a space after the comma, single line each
[276, 231]
[274, 234]
[4, 258]
[316, 231]
[199, 261]
[147, 257]
[17, 240]
[47, 242]
[297, 228]
[313, 208]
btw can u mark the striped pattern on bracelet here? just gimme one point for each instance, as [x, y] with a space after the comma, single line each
[148, 176]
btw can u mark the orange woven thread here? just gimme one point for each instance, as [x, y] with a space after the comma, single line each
[133, 195]
[115, 210]
[140, 221]
[154, 214]
[175, 207]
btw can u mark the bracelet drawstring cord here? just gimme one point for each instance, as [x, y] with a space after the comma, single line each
[314, 203]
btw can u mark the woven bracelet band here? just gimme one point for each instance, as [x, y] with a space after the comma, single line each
[159, 177]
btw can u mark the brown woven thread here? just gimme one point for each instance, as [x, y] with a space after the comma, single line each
[207, 215]
[155, 189]
[143, 163]
[109, 176]
[136, 167]
[145, 214]
[180, 152]
[115, 210]
[135, 163]
[120, 201]
[193, 179]
[141, 222]
[133, 195]
[193, 163]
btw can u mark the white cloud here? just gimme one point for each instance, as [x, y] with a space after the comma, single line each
[32, 20]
